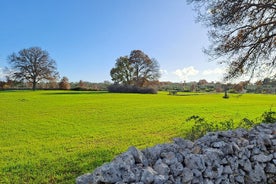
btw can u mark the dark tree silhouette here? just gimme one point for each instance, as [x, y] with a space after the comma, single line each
[242, 33]
[33, 64]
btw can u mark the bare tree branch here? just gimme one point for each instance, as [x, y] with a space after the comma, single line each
[242, 34]
[33, 64]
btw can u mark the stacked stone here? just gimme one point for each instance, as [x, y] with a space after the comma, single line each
[238, 156]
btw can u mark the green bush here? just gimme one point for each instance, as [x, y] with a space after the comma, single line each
[202, 126]
[269, 116]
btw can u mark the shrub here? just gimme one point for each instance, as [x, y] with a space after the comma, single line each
[173, 92]
[115, 88]
[247, 123]
[269, 116]
[202, 126]
[80, 89]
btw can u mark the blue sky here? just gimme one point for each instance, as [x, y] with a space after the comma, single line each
[85, 37]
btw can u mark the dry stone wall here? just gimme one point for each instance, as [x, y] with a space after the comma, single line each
[238, 156]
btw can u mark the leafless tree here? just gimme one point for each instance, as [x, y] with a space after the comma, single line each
[242, 34]
[33, 64]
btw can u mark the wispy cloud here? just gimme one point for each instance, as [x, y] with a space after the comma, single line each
[185, 73]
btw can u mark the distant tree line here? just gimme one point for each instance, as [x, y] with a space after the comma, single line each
[63, 84]
[266, 86]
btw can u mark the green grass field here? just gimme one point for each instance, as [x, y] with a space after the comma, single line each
[55, 136]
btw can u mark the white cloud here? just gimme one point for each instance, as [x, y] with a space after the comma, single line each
[185, 73]
[216, 71]
[192, 74]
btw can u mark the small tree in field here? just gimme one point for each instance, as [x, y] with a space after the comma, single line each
[64, 84]
[33, 65]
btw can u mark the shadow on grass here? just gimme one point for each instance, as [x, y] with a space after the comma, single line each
[185, 94]
[188, 94]
[75, 92]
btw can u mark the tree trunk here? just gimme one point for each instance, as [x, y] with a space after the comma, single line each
[34, 85]
[225, 93]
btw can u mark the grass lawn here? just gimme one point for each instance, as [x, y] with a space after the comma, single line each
[55, 136]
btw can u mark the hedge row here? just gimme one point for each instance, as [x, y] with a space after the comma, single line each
[130, 89]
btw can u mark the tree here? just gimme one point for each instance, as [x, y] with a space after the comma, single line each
[202, 82]
[82, 84]
[137, 69]
[122, 72]
[242, 33]
[238, 87]
[34, 65]
[144, 68]
[64, 83]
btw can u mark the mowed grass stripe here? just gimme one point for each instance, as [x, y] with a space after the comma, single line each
[54, 136]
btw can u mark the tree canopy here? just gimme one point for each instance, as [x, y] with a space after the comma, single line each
[122, 72]
[242, 34]
[137, 69]
[33, 65]
[64, 83]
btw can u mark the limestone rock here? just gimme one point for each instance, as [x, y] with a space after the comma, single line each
[161, 168]
[233, 156]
